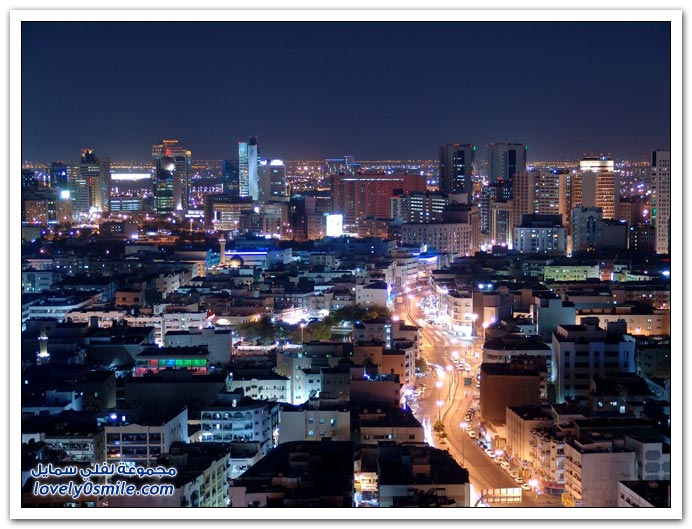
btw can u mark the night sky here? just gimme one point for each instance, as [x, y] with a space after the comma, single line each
[316, 90]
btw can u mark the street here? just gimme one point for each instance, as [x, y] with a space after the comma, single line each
[447, 399]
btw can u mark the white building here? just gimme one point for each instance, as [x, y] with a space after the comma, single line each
[57, 306]
[520, 423]
[582, 351]
[456, 238]
[273, 387]
[375, 294]
[547, 456]
[593, 468]
[653, 457]
[293, 366]
[312, 422]
[241, 420]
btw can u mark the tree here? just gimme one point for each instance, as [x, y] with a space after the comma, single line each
[262, 331]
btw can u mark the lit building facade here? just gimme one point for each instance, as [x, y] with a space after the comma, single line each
[660, 173]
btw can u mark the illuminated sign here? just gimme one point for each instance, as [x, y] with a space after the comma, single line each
[335, 225]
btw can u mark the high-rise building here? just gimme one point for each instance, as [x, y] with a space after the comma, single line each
[501, 223]
[587, 229]
[542, 191]
[58, 175]
[96, 173]
[660, 173]
[164, 201]
[182, 158]
[419, 207]
[248, 161]
[230, 181]
[505, 160]
[594, 186]
[457, 168]
[272, 181]
[496, 191]
[369, 194]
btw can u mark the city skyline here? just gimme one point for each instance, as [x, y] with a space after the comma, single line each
[312, 88]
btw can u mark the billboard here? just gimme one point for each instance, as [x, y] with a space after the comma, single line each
[335, 225]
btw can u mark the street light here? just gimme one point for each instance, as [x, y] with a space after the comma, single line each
[302, 333]
[533, 483]
[439, 403]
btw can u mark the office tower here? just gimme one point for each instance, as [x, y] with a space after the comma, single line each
[543, 192]
[594, 186]
[248, 160]
[660, 207]
[496, 191]
[587, 229]
[369, 194]
[182, 158]
[419, 207]
[501, 223]
[457, 168]
[505, 160]
[164, 199]
[297, 218]
[230, 182]
[272, 181]
[58, 175]
[96, 173]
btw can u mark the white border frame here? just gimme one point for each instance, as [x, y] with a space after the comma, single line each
[610, 15]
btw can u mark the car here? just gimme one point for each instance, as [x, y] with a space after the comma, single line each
[519, 480]
[514, 473]
[498, 461]
[525, 487]
[504, 465]
[473, 434]
[489, 452]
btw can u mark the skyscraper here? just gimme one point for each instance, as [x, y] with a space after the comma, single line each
[248, 160]
[587, 229]
[164, 199]
[660, 173]
[505, 160]
[541, 191]
[272, 181]
[58, 175]
[369, 194]
[96, 174]
[182, 158]
[231, 185]
[594, 186]
[457, 168]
